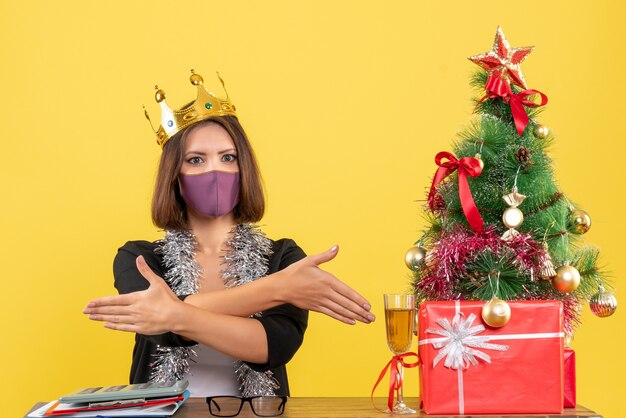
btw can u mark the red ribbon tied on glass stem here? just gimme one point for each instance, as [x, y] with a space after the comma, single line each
[497, 87]
[395, 377]
[466, 166]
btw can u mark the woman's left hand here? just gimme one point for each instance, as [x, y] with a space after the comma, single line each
[146, 312]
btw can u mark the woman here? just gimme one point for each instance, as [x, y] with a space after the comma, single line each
[199, 284]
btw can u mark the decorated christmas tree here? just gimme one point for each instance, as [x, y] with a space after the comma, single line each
[499, 228]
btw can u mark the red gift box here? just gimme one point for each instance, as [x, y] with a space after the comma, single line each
[468, 367]
[569, 365]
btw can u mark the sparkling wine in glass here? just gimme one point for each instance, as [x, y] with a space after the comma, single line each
[399, 322]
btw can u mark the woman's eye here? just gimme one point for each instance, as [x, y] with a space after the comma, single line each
[229, 158]
[195, 160]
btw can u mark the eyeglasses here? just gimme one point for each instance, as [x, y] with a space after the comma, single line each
[262, 406]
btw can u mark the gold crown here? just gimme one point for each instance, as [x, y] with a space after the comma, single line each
[205, 106]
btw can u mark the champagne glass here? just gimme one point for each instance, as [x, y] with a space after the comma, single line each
[399, 321]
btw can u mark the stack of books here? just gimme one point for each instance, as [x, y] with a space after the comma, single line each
[138, 400]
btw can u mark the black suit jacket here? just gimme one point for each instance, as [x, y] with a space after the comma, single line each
[284, 325]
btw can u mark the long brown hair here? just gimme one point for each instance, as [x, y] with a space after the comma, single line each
[168, 207]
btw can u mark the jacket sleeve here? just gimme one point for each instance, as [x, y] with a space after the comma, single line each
[128, 280]
[284, 324]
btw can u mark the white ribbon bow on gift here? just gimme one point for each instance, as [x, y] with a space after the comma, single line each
[460, 343]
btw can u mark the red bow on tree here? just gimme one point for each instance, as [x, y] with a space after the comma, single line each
[498, 87]
[467, 166]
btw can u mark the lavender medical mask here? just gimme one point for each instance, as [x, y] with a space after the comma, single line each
[214, 193]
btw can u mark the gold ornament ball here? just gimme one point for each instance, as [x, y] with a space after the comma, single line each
[541, 131]
[414, 257]
[567, 279]
[481, 163]
[603, 303]
[579, 221]
[512, 217]
[496, 313]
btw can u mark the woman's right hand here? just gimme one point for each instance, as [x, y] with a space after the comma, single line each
[309, 287]
[147, 312]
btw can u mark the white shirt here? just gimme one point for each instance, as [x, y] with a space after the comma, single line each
[212, 373]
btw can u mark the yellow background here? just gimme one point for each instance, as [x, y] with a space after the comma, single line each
[346, 104]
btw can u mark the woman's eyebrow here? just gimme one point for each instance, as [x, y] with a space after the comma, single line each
[202, 153]
[227, 150]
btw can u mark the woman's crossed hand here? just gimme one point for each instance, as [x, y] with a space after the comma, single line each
[309, 287]
[148, 312]
[302, 284]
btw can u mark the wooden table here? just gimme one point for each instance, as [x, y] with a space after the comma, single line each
[344, 408]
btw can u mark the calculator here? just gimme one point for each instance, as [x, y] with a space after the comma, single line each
[122, 392]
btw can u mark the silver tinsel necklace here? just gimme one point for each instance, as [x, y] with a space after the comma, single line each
[246, 260]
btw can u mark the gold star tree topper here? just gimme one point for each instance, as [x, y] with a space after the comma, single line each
[503, 61]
